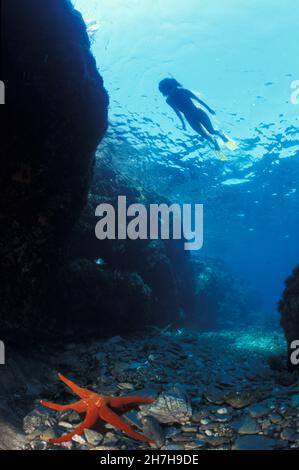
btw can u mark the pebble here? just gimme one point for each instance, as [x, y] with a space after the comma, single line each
[216, 441]
[214, 395]
[246, 425]
[254, 443]
[153, 430]
[32, 422]
[171, 431]
[33, 435]
[106, 448]
[222, 411]
[38, 445]
[196, 444]
[204, 421]
[133, 418]
[258, 410]
[48, 434]
[240, 400]
[78, 439]
[71, 416]
[182, 438]
[265, 424]
[289, 434]
[170, 407]
[69, 445]
[189, 428]
[65, 424]
[172, 447]
[93, 438]
[222, 418]
[125, 386]
[291, 411]
[276, 418]
[110, 439]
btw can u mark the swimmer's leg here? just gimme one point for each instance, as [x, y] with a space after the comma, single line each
[202, 131]
[197, 127]
[207, 124]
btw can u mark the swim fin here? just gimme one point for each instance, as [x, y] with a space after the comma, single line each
[220, 155]
[231, 145]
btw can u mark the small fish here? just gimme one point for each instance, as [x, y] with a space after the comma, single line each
[92, 27]
[235, 181]
[100, 262]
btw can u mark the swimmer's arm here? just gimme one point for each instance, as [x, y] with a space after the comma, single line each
[194, 97]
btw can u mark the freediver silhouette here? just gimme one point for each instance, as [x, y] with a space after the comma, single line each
[181, 101]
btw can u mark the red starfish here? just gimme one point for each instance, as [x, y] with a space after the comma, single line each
[97, 406]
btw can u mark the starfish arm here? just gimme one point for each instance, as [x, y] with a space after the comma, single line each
[78, 406]
[122, 401]
[81, 392]
[89, 420]
[106, 414]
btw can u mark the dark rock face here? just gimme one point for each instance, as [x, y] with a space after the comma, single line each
[55, 116]
[95, 302]
[289, 307]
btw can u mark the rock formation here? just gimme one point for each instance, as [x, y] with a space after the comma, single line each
[55, 116]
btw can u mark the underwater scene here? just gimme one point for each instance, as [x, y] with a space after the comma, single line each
[149, 278]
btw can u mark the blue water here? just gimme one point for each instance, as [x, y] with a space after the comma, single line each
[241, 56]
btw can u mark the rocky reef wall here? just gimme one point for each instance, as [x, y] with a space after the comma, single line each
[55, 116]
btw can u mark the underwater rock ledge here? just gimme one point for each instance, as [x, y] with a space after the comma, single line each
[56, 114]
